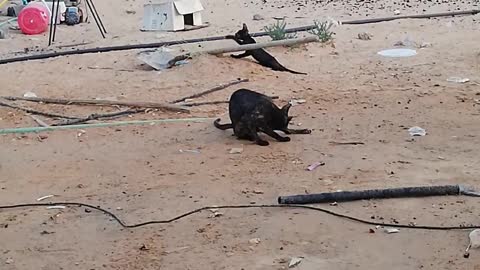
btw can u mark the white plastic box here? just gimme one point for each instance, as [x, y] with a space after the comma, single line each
[172, 15]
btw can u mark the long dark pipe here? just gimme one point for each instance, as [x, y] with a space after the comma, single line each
[195, 40]
[389, 193]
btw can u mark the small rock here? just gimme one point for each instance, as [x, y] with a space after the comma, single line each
[144, 248]
[258, 17]
[257, 191]
[397, 12]
[9, 261]
[130, 12]
[236, 150]
[3, 34]
[425, 45]
[365, 36]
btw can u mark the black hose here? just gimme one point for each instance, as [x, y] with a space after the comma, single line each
[389, 193]
[198, 210]
[195, 40]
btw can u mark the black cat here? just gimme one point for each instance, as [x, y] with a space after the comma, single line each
[242, 37]
[252, 112]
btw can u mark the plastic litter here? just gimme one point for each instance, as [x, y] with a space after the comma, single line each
[294, 262]
[474, 242]
[159, 59]
[391, 230]
[295, 102]
[315, 165]
[29, 95]
[474, 238]
[254, 241]
[458, 80]
[398, 53]
[236, 151]
[417, 131]
[56, 207]
[189, 151]
[44, 198]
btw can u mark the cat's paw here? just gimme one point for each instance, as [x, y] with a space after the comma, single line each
[262, 143]
[285, 139]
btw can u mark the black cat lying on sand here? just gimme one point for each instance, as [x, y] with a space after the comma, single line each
[242, 37]
[252, 112]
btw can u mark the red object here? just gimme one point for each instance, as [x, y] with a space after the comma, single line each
[33, 19]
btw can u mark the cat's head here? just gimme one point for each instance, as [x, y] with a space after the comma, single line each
[286, 118]
[242, 34]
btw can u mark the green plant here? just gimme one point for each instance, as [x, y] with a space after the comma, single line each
[322, 30]
[277, 31]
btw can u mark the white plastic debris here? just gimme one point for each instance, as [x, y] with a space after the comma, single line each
[391, 230]
[194, 151]
[44, 197]
[458, 80]
[295, 102]
[254, 241]
[30, 95]
[315, 165]
[417, 131]
[474, 238]
[215, 213]
[56, 207]
[236, 151]
[294, 262]
[398, 53]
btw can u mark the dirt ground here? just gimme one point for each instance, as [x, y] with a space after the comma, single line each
[139, 172]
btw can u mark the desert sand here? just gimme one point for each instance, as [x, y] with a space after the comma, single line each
[139, 172]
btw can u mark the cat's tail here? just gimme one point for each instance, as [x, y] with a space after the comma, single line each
[294, 72]
[217, 124]
[282, 68]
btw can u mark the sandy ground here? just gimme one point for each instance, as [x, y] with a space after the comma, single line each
[138, 172]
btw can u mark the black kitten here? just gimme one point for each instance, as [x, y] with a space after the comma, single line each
[251, 112]
[242, 37]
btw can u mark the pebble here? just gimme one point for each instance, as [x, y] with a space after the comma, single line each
[258, 17]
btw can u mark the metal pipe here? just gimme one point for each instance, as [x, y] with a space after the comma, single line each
[389, 193]
[196, 40]
[109, 124]
[95, 18]
[51, 23]
[98, 16]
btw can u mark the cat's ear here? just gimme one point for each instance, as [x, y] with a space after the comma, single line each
[286, 108]
[245, 28]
